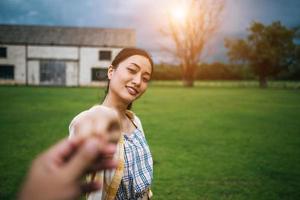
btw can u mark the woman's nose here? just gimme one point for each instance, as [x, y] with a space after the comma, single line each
[137, 80]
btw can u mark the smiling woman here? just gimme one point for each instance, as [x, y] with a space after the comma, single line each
[128, 78]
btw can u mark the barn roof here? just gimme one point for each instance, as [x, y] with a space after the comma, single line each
[66, 36]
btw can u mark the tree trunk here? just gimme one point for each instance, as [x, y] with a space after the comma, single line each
[263, 82]
[188, 83]
[188, 75]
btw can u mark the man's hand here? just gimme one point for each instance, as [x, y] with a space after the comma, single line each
[57, 173]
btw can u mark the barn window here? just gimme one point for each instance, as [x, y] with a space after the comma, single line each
[3, 53]
[7, 72]
[104, 55]
[99, 74]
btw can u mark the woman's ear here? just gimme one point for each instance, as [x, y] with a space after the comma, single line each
[110, 72]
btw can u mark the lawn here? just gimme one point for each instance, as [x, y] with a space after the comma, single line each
[207, 143]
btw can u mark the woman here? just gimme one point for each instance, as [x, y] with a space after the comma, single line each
[128, 78]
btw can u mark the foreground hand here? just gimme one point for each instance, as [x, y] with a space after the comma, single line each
[57, 173]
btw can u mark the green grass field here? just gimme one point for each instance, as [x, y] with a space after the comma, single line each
[207, 143]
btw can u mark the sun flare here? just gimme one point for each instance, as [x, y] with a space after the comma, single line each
[179, 13]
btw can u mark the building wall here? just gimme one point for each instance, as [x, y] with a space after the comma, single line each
[79, 62]
[33, 72]
[53, 52]
[71, 73]
[67, 54]
[16, 56]
[89, 58]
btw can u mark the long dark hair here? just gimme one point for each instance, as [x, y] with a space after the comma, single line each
[124, 54]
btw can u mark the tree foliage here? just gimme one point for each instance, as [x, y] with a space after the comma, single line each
[204, 71]
[268, 49]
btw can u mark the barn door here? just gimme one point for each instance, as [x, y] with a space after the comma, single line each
[52, 72]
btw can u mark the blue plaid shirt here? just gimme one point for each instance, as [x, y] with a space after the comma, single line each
[138, 169]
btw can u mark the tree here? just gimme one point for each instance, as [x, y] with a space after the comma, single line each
[268, 49]
[190, 27]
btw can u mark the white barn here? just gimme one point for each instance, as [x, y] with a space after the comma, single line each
[64, 56]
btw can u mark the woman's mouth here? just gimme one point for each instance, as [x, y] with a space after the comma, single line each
[132, 90]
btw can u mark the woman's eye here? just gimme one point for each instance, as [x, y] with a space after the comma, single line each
[146, 80]
[131, 70]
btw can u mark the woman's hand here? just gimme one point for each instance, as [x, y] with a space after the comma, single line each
[57, 173]
[98, 120]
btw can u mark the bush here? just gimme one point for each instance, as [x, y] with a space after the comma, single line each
[166, 72]
[218, 71]
[214, 71]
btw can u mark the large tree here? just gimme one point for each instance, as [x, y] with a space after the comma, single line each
[268, 49]
[190, 27]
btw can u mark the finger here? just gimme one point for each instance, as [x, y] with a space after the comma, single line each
[64, 149]
[86, 154]
[105, 159]
[107, 153]
[102, 165]
[109, 150]
[87, 188]
[60, 150]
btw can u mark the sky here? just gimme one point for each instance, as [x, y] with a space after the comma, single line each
[148, 17]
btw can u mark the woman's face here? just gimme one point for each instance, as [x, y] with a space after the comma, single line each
[129, 80]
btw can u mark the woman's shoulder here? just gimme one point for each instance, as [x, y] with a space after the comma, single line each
[132, 116]
[81, 114]
[91, 113]
[135, 119]
[94, 108]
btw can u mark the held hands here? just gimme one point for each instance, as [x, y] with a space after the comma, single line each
[98, 120]
[57, 174]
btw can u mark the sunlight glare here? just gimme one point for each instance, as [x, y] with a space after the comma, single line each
[179, 14]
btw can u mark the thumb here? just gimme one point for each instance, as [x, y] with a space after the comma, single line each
[83, 158]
